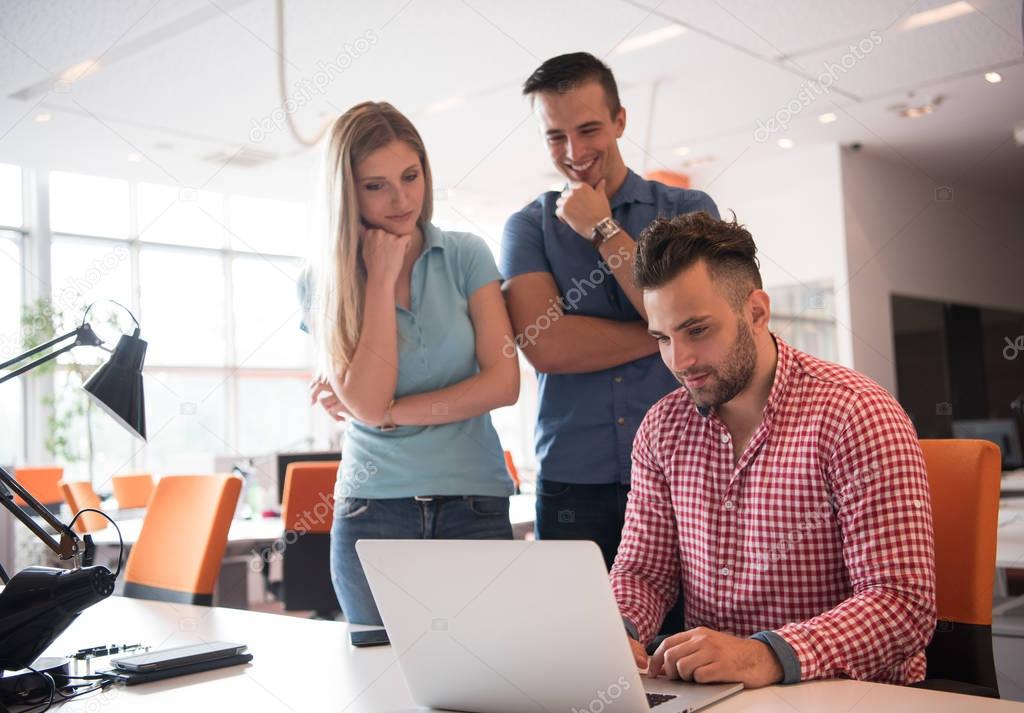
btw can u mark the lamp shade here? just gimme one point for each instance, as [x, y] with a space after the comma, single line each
[116, 387]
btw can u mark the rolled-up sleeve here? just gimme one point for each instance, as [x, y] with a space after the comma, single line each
[522, 245]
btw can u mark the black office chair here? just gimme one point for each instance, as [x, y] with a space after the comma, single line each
[307, 511]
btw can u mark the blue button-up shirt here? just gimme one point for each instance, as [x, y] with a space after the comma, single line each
[586, 422]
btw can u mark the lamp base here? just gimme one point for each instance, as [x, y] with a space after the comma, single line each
[16, 687]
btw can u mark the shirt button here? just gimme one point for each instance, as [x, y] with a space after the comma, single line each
[618, 379]
[728, 505]
[621, 421]
[724, 571]
[725, 438]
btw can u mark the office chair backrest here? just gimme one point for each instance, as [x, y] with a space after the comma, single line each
[308, 504]
[43, 483]
[307, 511]
[178, 554]
[132, 491]
[79, 495]
[964, 476]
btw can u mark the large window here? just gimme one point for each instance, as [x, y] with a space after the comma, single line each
[10, 342]
[11, 271]
[211, 278]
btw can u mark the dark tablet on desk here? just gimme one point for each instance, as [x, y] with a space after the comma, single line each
[178, 656]
[130, 678]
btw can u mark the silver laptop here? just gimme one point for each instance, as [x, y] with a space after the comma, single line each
[514, 627]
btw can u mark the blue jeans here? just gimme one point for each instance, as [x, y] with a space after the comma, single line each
[570, 511]
[470, 517]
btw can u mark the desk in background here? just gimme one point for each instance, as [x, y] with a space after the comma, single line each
[250, 539]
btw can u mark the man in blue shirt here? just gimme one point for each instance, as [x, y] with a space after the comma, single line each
[567, 259]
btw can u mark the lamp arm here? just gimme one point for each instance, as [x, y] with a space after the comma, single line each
[67, 547]
[36, 350]
[84, 336]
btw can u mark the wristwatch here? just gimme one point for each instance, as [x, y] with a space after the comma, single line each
[605, 230]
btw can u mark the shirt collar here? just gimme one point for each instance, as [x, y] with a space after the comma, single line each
[433, 237]
[784, 368]
[633, 190]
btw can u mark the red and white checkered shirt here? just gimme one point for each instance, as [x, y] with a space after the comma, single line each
[822, 532]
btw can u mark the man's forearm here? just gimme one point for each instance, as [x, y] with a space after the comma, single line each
[577, 344]
[618, 254]
[866, 634]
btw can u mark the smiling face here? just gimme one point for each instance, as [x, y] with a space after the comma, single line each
[390, 188]
[581, 134]
[707, 345]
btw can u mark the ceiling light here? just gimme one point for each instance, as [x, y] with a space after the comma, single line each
[935, 15]
[785, 143]
[682, 151]
[827, 118]
[80, 70]
[916, 111]
[445, 104]
[43, 117]
[649, 40]
[993, 77]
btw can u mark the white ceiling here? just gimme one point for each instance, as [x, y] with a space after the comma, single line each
[178, 82]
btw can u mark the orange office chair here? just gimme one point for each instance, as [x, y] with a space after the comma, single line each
[178, 554]
[132, 491]
[79, 495]
[964, 476]
[307, 511]
[43, 483]
[513, 472]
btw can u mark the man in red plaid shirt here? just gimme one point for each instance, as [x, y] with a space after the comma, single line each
[786, 495]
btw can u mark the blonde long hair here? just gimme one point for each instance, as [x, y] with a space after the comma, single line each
[339, 273]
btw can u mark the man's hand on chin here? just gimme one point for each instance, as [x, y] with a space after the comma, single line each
[582, 207]
[708, 656]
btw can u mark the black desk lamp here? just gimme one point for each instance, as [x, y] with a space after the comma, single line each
[39, 603]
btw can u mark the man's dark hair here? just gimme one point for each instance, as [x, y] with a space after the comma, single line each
[666, 247]
[565, 72]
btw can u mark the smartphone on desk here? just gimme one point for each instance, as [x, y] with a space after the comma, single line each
[178, 656]
[370, 637]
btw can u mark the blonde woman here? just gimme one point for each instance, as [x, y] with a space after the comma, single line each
[410, 324]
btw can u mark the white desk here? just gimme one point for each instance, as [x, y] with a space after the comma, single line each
[243, 533]
[303, 665]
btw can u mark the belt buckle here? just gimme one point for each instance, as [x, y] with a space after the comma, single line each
[424, 498]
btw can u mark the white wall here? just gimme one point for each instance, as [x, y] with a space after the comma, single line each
[900, 238]
[791, 201]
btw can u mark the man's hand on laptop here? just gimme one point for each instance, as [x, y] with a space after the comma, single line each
[708, 656]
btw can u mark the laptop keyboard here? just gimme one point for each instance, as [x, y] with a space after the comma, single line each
[656, 699]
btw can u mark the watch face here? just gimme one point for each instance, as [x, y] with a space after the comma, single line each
[607, 227]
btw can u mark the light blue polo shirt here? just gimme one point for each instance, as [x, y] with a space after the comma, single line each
[436, 348]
